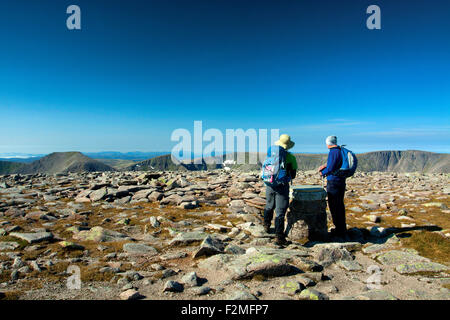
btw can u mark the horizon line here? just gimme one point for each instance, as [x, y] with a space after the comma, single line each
[23, 155]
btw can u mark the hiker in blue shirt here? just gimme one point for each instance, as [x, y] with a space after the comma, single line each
[335, 187]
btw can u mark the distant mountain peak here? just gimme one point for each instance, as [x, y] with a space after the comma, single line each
[61, 162]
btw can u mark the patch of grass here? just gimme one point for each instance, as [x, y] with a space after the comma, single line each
[34, 254]
[157, 275]
[431, 215]
[5, 276]
[28, 284]
[22, 243]
[11, 295]
[430, 245]
[425, 274]
[92, 274]
[435, 215]
[53, 273]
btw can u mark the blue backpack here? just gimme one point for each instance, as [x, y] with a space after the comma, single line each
[349, 164]
[273, 171]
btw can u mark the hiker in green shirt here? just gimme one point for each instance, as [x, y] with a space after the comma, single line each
[277, 192]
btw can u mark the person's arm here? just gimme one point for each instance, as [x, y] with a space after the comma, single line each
[332, 163]
[291, 164]
[292, 173]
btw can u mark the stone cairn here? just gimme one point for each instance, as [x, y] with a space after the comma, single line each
[307, 217]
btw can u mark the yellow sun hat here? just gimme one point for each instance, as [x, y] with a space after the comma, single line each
[285, 142]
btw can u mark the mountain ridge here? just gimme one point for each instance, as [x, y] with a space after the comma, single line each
[385, 161]
[63, 162]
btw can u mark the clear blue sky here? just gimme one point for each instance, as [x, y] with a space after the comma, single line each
[140, 69]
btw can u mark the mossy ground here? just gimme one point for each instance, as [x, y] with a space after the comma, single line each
[421, 237]
[430, 245]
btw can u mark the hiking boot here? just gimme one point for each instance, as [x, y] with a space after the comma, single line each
[267, 228]
[337, 236]
[281, 241]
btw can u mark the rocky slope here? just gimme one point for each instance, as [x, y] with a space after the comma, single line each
[198, 235]
[7, 167]
[405, 161]
[117, 164]
[61, 162]
[165, 163]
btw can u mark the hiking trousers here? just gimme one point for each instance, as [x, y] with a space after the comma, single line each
[336, 192]
[277, 198]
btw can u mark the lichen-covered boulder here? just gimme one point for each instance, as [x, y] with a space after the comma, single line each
[33, 237]
[184, 238]
[311, 294]
[414, 267]
[139, 249]
[263, 261]
[372, 295]
[396, 257]
[99, 234]
[292, 287]
[210, 246]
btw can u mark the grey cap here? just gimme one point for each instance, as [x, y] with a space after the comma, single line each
[331, 140]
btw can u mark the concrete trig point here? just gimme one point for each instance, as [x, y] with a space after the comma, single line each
[307, 216]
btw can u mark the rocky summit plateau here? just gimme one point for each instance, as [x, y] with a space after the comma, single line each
[199, 235]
